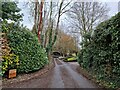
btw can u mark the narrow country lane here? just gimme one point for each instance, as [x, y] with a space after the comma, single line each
[64, 75]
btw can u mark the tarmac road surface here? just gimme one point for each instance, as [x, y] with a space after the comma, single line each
[63, 75]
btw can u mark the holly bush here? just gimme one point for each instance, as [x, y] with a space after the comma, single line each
[101, 52]
[25, 44]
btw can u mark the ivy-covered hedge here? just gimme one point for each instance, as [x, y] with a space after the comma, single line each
[23, 43]
[101, 52]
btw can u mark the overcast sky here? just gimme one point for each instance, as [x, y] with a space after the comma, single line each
[28, 20]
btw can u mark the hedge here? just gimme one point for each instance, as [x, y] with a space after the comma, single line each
[101, 54]
[25, 44]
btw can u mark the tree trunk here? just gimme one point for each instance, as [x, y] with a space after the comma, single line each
[40, 21]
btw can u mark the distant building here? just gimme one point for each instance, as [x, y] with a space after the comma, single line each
[119, 6]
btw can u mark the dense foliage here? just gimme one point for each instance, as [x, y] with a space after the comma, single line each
[101, 52]
[10, 11]
[10, 61]
[24, 44]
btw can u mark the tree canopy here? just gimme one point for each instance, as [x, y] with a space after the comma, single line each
[10, 11]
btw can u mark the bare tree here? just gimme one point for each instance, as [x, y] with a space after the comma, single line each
[38, 17]
[84, 16]
[47, 19]
[55, 10]
[61, 10]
